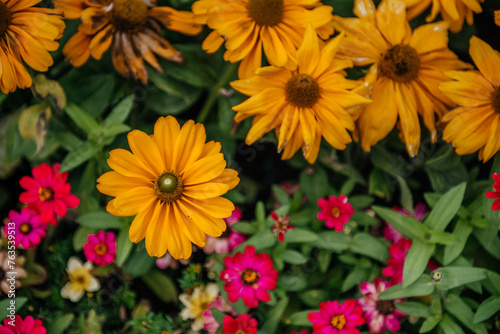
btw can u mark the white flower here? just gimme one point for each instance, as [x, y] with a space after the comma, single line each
[196, 303]
[80, 280]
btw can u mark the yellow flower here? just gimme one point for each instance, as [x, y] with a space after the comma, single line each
[247, 26]
[27, 33]
[304, 104]
[475, 124]
[497, 17]
[80, 280]
[405, 73]
[172, 182]
[452, 11]
[197, 303]
[130, 28]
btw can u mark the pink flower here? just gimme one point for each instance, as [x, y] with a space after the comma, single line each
[495, 193]
[100, 248]
[49, 192]
[391, 234]
[28, 228]
[167, 260]
[229, 240]
[335, 319]
[243, 324]
[394, 270]
[281, 225]
[381, 315]
[26, 326]
[336, 211]
[249, 276]
[211, 325]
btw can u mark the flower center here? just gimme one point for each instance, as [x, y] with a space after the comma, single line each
[495, 99]
[338, 321]
[336, 212]
[266, 12]
[46, 194]
[169, 187]
[385, 307]
[25, 228]
[101, 249]
[5, 17]
[400, 63]
[129, 15]
[239, 331]
[80, 276]
[302, 90]
[249, 276]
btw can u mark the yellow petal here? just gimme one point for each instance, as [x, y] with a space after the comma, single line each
[391, 21]
[189, 145]
[145, 149]
[139, 225]
[203, 170]
[486, 60]
[114, 183]
[308, 54]
[132, 201]
[408, 116]
[125, 163]
[206, 190]
[165, 134]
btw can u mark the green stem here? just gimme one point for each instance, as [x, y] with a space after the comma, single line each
[215, 92]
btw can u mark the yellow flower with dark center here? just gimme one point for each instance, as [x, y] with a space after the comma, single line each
[171, 182]
[406, 70]
[27, 33]
[455, 12]
[130, 28]
[475, 124]
[249, 26]
[304, 104]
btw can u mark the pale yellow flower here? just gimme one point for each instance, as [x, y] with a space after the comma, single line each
[197, 303]
[80, 280]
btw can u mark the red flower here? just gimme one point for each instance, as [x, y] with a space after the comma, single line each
[335, 319]
[336, 211]
[49, 192]
[394, 270]
[281, 225]
[249, 276]
[100, 248]
[240, 325]
[496, 193]
[26, 326]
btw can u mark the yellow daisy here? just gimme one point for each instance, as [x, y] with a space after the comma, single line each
[27, 33]
[130, 28]
[405, 73]
[172, 182]
[248, 26]
[304, 104]
[455, 12]
[475, 124]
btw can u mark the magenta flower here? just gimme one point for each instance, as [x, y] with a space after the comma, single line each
[100, 248]
[495, 193]
[391, 234]
[26, 326]
[281, 226]
[243, 324]
[336, 211]
[229, 240]
[28, 228]
[381, 315]
[249, 276]
[211, 325]
[398, 252]
[49, 192]
[335, 319]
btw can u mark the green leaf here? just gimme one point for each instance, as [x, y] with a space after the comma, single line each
[273, 318]
[406, 197]
[416, 261]
[365, 244]
[262, 240]
[300, 235]
[82, 120]
[449, 326]
[407, 226]
[415, 309]
[315, 184]
[430, 323]
[462, 312]
[123, 246]
[80, 237]
[139, 263]
[494, 279]
[300, 319]
[218, 316]
[356, 276]
[260, 213]
[292, 282]
[112, 130]
[444, 238]
[363, 219]
[324, 260]
[378, 184]
[453, 277]
[487, 309]
[11, 306]
[312, 298]
[120, 113]
[82, 153]
[423, 286]
[446, 208]
[462, 231]
[360, 201]
[281, 195]
[293, 257]
[172, 97]
[246, 228]
[333, 241]
[162, 285]
[488, 238]
[100, 220]
[59, 324]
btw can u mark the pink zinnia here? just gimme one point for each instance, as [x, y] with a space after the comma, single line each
[28, 228]
[335, 319]
[26, 326]
[495, 193]
[211, 325]
[100, 248]
[398, 252]
[243, 324]
[336, 211]
[49, 192]
[281, 226]
[229, 240]
[381, 315]
[249, 276]
[393, 235]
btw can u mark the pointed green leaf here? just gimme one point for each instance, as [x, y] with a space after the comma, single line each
[443, 238]
[333, 241]
[446, 208]
[162, 285]
[453, 277]
[462, 312]
[8, 304]
[139, 263]
[273, 318]
[261, 240]
[300, 318]
[487, 309]
[406, 197]
[365, 244]
[462, 231]
[82, 153]
[407, 226]
[430, 323]
[415, 309]
[120, 113]
[293, 257]
[123, 246]
[80, 237]
[59, 324]
[82, 119]
[449, 326]
[422, 287]
[100, 220]
[356, 276]
[488, 238]
[300, 235]
[494, 279]
[416, 261]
